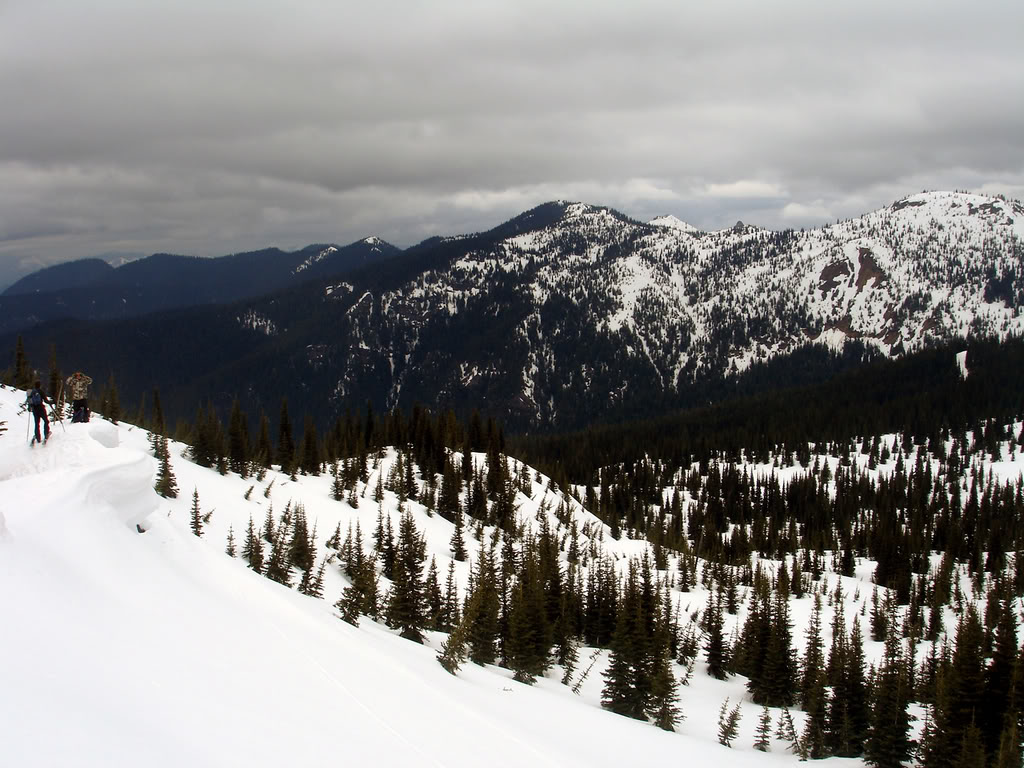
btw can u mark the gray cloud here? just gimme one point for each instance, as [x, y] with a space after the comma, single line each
[211, 128]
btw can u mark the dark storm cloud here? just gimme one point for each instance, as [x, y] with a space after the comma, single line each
[215, 127]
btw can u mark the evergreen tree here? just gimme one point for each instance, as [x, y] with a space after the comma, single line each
[407, 605]
[728, 723]
[285, 453]
[434, 598]
[229, 550]
[717, 658]
[56, 383]
[458, 544]
[264, 455]
[998, 703]
[166, 483]
[848, 711]
[663, 707]
[252, 548]
[453, 651]
[627, 685]
[196, 518]
[483, 630]
[960, 691]
[22, 370]
[158, 425]
[310, 460]
[764, 731]
[238, 441]
[888, 744]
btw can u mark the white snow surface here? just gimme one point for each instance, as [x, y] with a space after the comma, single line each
[155, 649]
[158, 649]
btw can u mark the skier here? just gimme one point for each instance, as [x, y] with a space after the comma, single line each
[35, 399]
[78, 385]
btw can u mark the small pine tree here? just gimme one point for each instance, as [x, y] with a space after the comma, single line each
[786, 730]
[728, 723]
[664, 707]
[230, 549]
[456, 647]
[252, 548]
[458, 544]
[197, 518]
[764, 730]
[348, 605]
[166, 484]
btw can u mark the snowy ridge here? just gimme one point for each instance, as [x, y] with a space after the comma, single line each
[315, 259]
[930, 267]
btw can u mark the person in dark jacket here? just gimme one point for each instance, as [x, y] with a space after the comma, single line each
[36, 401]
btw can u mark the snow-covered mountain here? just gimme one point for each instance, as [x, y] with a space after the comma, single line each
[572, 313]
[129, 641]
[584, 304]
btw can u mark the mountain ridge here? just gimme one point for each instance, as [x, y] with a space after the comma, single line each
[94, 290]
[571, 313]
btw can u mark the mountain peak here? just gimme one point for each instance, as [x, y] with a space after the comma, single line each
[671, 222]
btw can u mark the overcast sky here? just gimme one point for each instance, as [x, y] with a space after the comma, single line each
[208, 127]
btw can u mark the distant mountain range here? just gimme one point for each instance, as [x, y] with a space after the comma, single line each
[572, 313]
[92, 289]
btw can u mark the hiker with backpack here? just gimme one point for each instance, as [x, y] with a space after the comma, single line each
[36, 400]
[78, 385]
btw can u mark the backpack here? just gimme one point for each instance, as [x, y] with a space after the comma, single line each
[35, 397]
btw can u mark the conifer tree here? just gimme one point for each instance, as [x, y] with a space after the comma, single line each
[252, 548]
[348, 605]
[22, 370]
[407, 605]
[458, 543]
[728, 723]
[1000, 699]
[285, 453]
[264, 455]
[959, 699]
[627, 683]
[717, 658]
[166, 483]
[229, 550]
[450, 614]
[434, 598]
[813, 667]
[278, 568]
[454, 649]
[848, 712]
[763, 733]
[158, 425]
[238, 441]
[663, 707]
[1010, 754]
[310, 460]
[196, 518]
[888, 743]
[483, 630]
[55, 383]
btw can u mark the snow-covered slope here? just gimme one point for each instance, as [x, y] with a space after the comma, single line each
[123, 648]
[129, 641]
